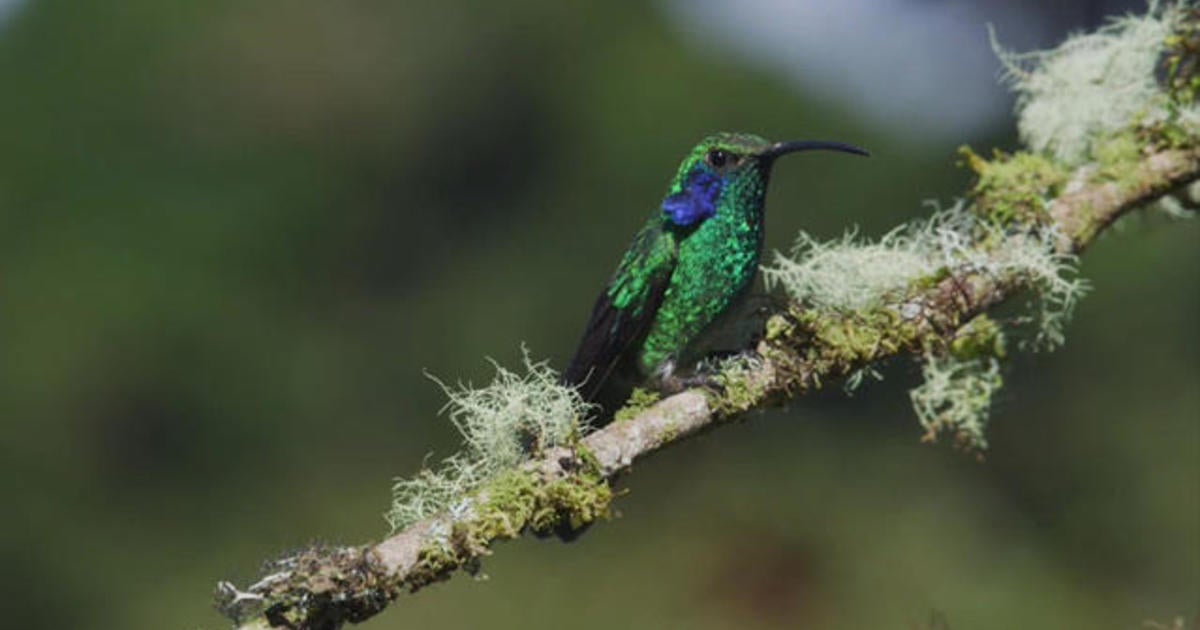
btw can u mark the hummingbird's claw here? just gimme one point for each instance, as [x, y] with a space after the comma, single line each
[675, 384]
[707, 374]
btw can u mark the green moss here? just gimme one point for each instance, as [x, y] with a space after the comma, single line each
[435, 562]
[834, 344]
[1170, 134]
[1182, 59]
[510, 501]
[778, 327]
[855, 337]
[515, 502]
[739, 391]
[639, 401]
[587, 459]
[570, 503]
[739, 396]
[669, 434]
[929, 281]
[1012, 189]
[1117, 159]
[1173, 131]
[981, 337]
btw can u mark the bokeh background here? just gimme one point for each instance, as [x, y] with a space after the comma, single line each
[234, 235]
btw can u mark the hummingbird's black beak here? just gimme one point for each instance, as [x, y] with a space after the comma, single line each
[783, 148]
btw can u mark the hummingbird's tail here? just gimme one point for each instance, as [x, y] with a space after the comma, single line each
[604, 368]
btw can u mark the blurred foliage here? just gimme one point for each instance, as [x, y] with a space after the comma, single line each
[233, 234]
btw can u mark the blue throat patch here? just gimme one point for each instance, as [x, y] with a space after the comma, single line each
[697, 201]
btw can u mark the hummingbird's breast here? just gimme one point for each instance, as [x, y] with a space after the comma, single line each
[717, 263]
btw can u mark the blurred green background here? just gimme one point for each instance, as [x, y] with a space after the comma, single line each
[234, 234]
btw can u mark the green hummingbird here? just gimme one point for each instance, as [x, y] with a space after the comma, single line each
[693, 261]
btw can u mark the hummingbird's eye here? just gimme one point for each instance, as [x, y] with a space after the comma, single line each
[718, 158]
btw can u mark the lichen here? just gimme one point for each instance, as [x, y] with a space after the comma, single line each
[914, 257]
[502, 425]
[1054, 289]
[1099, 83]
[956, 398]
[847, 273]
[960, 382]
[843, 334]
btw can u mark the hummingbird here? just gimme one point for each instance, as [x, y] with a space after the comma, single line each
[692, 262]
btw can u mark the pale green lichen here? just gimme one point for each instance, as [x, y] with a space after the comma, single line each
[882, 274]
[847, 273]
[850, 274]
[1055, 288]
[960, 384]
[502, 426]
[857, 324]
[1097, 84]
[956, 398]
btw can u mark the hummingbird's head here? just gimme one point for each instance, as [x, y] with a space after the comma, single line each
[731, 167]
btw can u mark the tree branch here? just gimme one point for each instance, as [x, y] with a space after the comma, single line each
[568, 487]
[1083, 213]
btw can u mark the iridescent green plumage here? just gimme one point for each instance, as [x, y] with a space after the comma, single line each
[691, 262]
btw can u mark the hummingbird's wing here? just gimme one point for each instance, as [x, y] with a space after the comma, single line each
[625, 309]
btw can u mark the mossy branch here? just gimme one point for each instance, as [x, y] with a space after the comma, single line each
[568, 487]
[1024, 220]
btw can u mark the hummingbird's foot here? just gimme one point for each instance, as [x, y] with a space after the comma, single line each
[707, 373]
[673, 384]
[714, 361]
